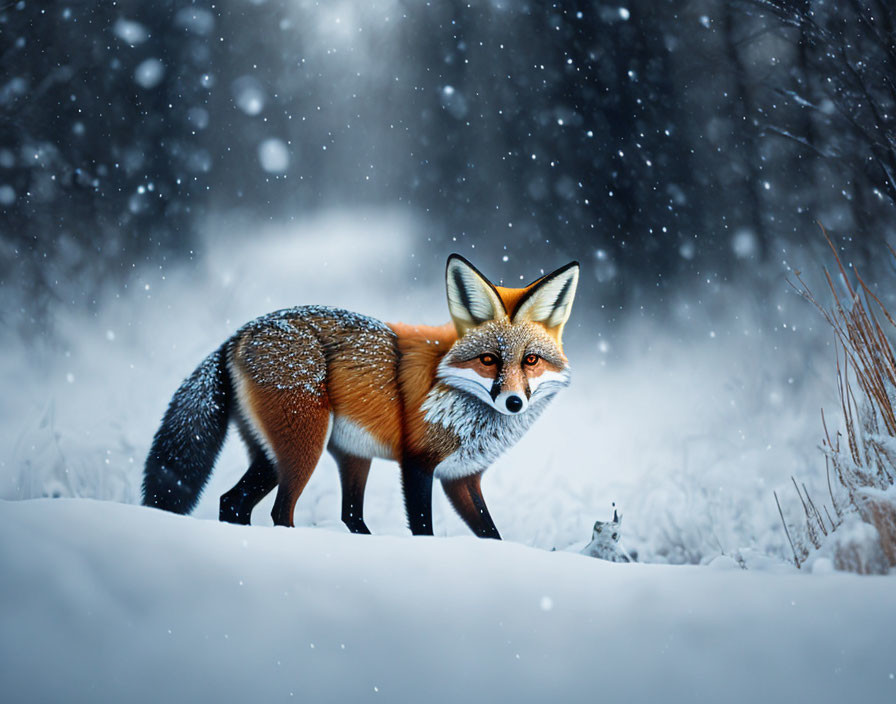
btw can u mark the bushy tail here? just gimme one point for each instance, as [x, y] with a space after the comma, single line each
[187, 444]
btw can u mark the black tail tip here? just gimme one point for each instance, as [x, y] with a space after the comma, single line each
[163, 489]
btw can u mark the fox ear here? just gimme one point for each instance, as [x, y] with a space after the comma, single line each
[549, 300]
[472, 299]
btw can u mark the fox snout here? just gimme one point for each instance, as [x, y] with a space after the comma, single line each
[514, 403]
[509, 402]
[510, 392]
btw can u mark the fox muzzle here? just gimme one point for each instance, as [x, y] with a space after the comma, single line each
[511, 403]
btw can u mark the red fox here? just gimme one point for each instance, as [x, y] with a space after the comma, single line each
[444, 402]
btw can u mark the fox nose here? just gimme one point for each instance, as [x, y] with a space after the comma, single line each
[514, 404]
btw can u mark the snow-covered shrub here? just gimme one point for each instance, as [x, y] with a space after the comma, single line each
[878, 509]
[860, 535]
[855, 547]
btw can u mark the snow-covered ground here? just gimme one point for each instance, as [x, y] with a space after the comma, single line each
[108, 602]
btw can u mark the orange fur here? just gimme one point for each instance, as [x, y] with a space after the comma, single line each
[369, 398]
[421, 348]
[510, 297]
[295, 425]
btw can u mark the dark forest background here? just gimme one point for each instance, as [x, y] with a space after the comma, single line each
[659, 141]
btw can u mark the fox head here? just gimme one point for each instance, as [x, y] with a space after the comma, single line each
[509, 351]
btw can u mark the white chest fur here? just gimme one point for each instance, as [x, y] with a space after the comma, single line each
[350, 437]
[483, 433]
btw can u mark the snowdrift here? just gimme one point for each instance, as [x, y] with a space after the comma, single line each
[112, 602]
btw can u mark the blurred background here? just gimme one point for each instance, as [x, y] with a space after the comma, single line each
[171, 169]
[659, 142]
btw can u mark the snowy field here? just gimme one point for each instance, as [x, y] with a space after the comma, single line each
[688, 427]
[106, 602]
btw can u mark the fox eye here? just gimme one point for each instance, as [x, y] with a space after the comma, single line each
[530, 359]
[488, 359]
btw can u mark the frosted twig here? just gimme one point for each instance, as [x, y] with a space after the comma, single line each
[787, 532]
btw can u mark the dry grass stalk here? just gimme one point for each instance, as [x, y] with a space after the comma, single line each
[866, 466]
[796, 557]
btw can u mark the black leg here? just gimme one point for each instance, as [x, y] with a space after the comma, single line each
[353, 473]
[257, 482]
[417, 485]
[465, 495]
[284, 505]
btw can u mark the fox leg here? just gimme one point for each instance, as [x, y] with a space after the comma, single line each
[417, 485]
[279, 370]
[465, 494]
[294, 425]
[256, 483]
[297, 456]
[353, 473]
